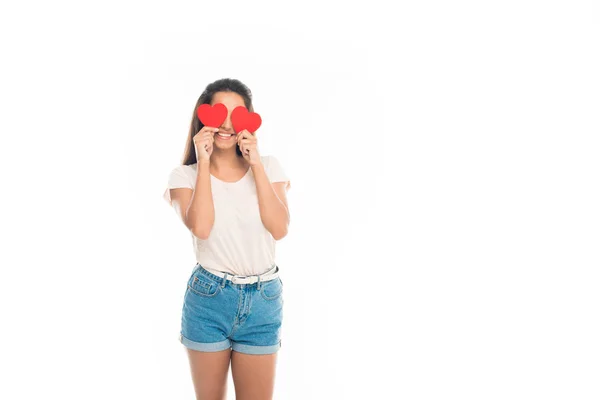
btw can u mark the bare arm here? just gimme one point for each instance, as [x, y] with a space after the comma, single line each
[272, 203]
[196, 207]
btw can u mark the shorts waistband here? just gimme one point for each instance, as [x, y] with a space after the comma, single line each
[272, 273]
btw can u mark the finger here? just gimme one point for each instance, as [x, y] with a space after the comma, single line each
[210, 131]
[244, 134]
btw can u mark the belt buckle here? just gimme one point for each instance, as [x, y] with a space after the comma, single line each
[233, 278]
[247, 279]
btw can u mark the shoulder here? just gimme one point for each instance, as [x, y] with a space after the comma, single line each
[184, 169]
[270, 162]
[182, 176]
[274, 170]
[189, 168]
[266, 158]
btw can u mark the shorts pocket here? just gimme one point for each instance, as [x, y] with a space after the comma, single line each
[270, 290]
[203, 286]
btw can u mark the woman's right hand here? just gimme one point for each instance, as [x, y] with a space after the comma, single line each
[203, 142]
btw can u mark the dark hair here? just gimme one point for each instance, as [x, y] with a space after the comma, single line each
[221, 85]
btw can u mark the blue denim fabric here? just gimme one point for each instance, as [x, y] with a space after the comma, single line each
[218, 314]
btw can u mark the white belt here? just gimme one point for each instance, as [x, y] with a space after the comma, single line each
[273, 273]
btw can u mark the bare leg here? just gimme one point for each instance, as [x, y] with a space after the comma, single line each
[253, 375]
[209, 373]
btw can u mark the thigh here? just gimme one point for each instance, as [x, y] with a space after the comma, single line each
[253, 375]
[209, 373]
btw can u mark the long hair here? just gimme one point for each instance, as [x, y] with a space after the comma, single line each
[221, 85]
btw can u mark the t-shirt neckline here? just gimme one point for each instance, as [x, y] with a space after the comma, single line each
[232, 183]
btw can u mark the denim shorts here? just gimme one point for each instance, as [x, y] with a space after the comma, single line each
[218, 314]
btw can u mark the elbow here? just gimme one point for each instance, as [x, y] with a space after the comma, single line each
[202, 235]
[200, 229]
[201, 232]
[280, 234]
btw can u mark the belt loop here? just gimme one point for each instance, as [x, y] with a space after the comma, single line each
[258, 286]
[224, 280]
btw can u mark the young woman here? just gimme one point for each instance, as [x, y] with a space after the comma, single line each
[233, 201]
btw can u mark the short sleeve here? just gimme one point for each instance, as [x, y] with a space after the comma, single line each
[178, 178]
[276, 172]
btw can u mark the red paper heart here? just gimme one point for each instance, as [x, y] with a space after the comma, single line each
[212, 116]
[242, 119]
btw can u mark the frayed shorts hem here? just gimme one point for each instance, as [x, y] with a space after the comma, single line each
[226, 344]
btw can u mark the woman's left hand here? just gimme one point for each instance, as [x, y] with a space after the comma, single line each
[249, 147]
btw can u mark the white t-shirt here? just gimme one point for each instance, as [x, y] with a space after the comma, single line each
[239, 243]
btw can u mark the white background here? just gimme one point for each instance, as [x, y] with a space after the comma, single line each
[444, 164]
